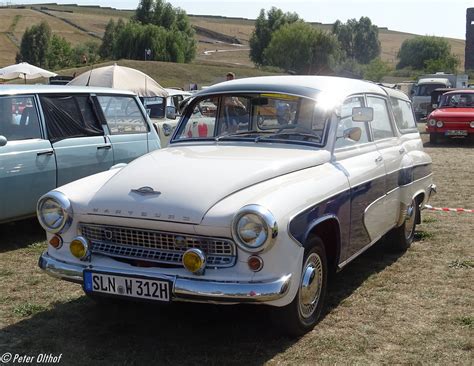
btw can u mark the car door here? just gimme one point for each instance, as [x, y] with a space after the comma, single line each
[363, 166]
[128, 130]
[27, 161]
[389, 145]
[78, 139]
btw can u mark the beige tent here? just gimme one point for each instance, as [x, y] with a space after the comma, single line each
[120, 77]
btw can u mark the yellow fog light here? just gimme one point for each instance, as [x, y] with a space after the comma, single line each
[194, 260]
[79, 247]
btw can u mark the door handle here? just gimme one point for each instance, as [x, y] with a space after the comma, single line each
[379, 159]
[46, 152]
[106, 147]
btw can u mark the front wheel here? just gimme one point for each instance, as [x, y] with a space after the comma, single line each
[402, 237]
[302, 314]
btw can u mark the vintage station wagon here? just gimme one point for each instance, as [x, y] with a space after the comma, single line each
[52, 135]
[268, 184]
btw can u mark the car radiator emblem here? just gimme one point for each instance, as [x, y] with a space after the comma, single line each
[145, 191]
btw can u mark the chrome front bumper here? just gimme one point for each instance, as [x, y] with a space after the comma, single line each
[184, 289]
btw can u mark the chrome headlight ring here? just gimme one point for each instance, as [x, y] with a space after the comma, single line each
[432, 122]
[254, 228]
[54, 212]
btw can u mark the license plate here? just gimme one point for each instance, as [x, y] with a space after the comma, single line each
[456, 133]
[126, 286]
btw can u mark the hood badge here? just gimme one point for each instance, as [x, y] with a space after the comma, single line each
[145, 191]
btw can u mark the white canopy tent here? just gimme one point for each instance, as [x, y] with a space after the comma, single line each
[25, 71]
[120, 77]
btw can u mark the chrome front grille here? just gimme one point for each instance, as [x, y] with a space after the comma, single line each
[156, 246]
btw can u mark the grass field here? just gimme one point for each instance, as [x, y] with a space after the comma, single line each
[94, 19]
[414, 308]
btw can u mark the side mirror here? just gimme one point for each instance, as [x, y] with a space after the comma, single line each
[362, 114]
[3, 141]
[434, 105]
[171, 112]
[353, 133]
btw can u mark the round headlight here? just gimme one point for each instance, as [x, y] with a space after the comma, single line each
[439, 124]
[254, 228]
[54, 212]
[432, 122]
[471, 124]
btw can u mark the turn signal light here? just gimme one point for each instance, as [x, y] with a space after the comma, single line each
[194, 260]
[255, 263]
[79, 247]
[56, 242]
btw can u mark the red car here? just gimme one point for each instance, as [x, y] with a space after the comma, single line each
[454, 116]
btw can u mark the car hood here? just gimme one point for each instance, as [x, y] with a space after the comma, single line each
[453, 113]
[186, 181]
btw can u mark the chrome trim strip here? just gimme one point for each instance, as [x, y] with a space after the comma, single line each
[184, 289]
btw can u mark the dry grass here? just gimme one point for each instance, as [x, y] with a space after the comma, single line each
[414, 308]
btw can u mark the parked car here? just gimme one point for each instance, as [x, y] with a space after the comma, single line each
[52, 135]
[164, 112]
[250, 210]
[454, 116]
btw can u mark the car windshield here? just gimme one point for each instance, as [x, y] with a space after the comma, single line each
[457, 100]
[264, 117]
[425, 90]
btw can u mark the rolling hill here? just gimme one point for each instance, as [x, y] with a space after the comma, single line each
[221, 40]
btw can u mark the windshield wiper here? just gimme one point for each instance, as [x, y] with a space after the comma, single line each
[305, 134]
[236, 134]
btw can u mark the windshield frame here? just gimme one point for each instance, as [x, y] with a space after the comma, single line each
[250, 135]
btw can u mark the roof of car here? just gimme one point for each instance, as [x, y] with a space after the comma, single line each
[305, 86]
[14, 89]
[172, 91]
[464, 91]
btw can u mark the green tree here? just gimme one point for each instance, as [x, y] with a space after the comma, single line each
[144, 12]
[426, 51]
[359, 39]
[59, 53]
[87, 52]
[265, 25]
[35, 44]
[376, 70]
[106, 49]
[301, 48]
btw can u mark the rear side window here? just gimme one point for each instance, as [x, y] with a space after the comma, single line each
[123, 115]
[70, 116]
[403, 115]
[19, 118]
[381, 126]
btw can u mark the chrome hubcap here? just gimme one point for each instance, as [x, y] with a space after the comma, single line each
[410, 221]
[310, 287]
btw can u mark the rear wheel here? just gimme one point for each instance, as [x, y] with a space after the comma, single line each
[433, 138]
[401, 237]
[302, 314]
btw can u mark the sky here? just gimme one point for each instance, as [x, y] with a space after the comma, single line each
[446, 18]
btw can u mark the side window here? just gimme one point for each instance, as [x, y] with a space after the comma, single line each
[381, 126]
[403, 115]
[345, 123]
[202, 121]
[70, 116]
[19, 118]
[122, 114]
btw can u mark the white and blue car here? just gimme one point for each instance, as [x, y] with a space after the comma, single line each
[267, 185]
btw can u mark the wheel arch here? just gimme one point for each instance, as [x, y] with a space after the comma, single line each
[328, 229]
